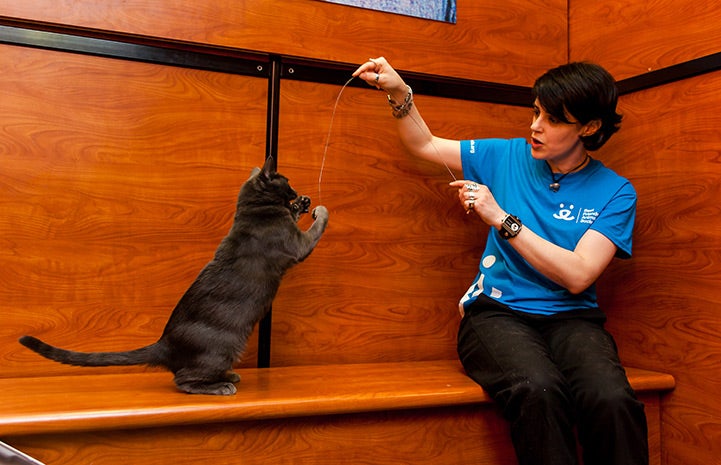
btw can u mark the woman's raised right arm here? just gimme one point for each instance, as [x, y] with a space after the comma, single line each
[412, 129]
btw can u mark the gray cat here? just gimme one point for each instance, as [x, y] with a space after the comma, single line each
[209, 327]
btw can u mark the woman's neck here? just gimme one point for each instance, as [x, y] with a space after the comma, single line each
[570, 164]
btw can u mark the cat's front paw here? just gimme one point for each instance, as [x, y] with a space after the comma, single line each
[302, 203]
[299, 206]
[320, 213]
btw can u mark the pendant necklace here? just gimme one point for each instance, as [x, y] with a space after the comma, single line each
[556, 184]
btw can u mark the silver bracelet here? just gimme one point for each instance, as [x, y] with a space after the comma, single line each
[401, 110]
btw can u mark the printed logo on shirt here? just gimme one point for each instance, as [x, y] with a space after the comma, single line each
[473, 146]
[582, 215]
[565, 214]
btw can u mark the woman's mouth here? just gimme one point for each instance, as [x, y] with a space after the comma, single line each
[535, 143]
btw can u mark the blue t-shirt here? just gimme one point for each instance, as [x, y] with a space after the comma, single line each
[592, 198]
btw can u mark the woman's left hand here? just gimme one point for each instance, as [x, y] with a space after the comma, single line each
[475, 197]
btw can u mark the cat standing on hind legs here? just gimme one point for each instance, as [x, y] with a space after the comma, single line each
[208, 330]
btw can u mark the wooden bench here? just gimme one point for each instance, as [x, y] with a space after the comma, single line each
[414, 412]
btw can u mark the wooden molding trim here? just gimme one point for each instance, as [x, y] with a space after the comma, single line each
[671, 74]
[246, 62]
[199, 56]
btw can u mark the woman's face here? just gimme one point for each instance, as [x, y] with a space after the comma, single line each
[554, 140]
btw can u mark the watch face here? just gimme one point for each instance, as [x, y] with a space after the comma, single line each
[511, 227]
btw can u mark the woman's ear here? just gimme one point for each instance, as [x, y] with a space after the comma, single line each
[591, 128]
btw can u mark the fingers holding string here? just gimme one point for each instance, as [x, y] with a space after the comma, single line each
[378, 73]
[369, 72]
[467, 193]
[370, 65]
[465, 187]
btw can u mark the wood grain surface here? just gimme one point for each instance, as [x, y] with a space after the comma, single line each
[664, 305]
[631, 38]
[497, 42]
[138, 400]
[119, 179]
[135, 400]
[465, 435]
[364, 413]
[452, 436]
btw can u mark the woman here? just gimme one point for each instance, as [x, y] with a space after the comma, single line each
[532, 333]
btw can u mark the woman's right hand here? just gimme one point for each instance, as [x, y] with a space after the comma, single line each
[377, 72]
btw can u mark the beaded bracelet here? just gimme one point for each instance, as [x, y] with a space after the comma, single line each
[401, 110]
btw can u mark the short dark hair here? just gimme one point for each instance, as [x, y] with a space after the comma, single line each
[587, 92]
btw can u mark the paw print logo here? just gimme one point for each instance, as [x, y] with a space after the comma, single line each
[565, 214]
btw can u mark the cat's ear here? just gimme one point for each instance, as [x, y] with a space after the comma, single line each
[269, 166]
[254, 172]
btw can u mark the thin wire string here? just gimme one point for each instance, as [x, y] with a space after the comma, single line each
[327, 139]
[438, 152]
[330, 128]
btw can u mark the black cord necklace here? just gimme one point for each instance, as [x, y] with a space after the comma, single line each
[556, 184]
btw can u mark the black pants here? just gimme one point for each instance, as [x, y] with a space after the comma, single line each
[550, 375]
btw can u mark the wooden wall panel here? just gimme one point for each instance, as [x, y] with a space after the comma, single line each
[507, 42]
[664, 303]
[631, 38]
[119, 179]
[384, 282]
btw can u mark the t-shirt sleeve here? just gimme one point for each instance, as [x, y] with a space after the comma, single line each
[617, 220]
[479, 156]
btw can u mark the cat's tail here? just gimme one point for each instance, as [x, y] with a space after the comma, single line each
[149, 355]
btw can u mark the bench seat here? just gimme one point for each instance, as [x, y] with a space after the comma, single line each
[40, 413]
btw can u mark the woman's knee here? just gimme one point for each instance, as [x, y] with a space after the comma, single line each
[609, 402]
[539, 395]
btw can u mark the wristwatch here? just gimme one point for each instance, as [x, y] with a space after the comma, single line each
[510, 227]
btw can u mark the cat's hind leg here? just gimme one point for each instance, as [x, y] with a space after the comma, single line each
[194, 382]
[232, 376]
[222, 388]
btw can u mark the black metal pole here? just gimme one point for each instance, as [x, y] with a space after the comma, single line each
[271, 150]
